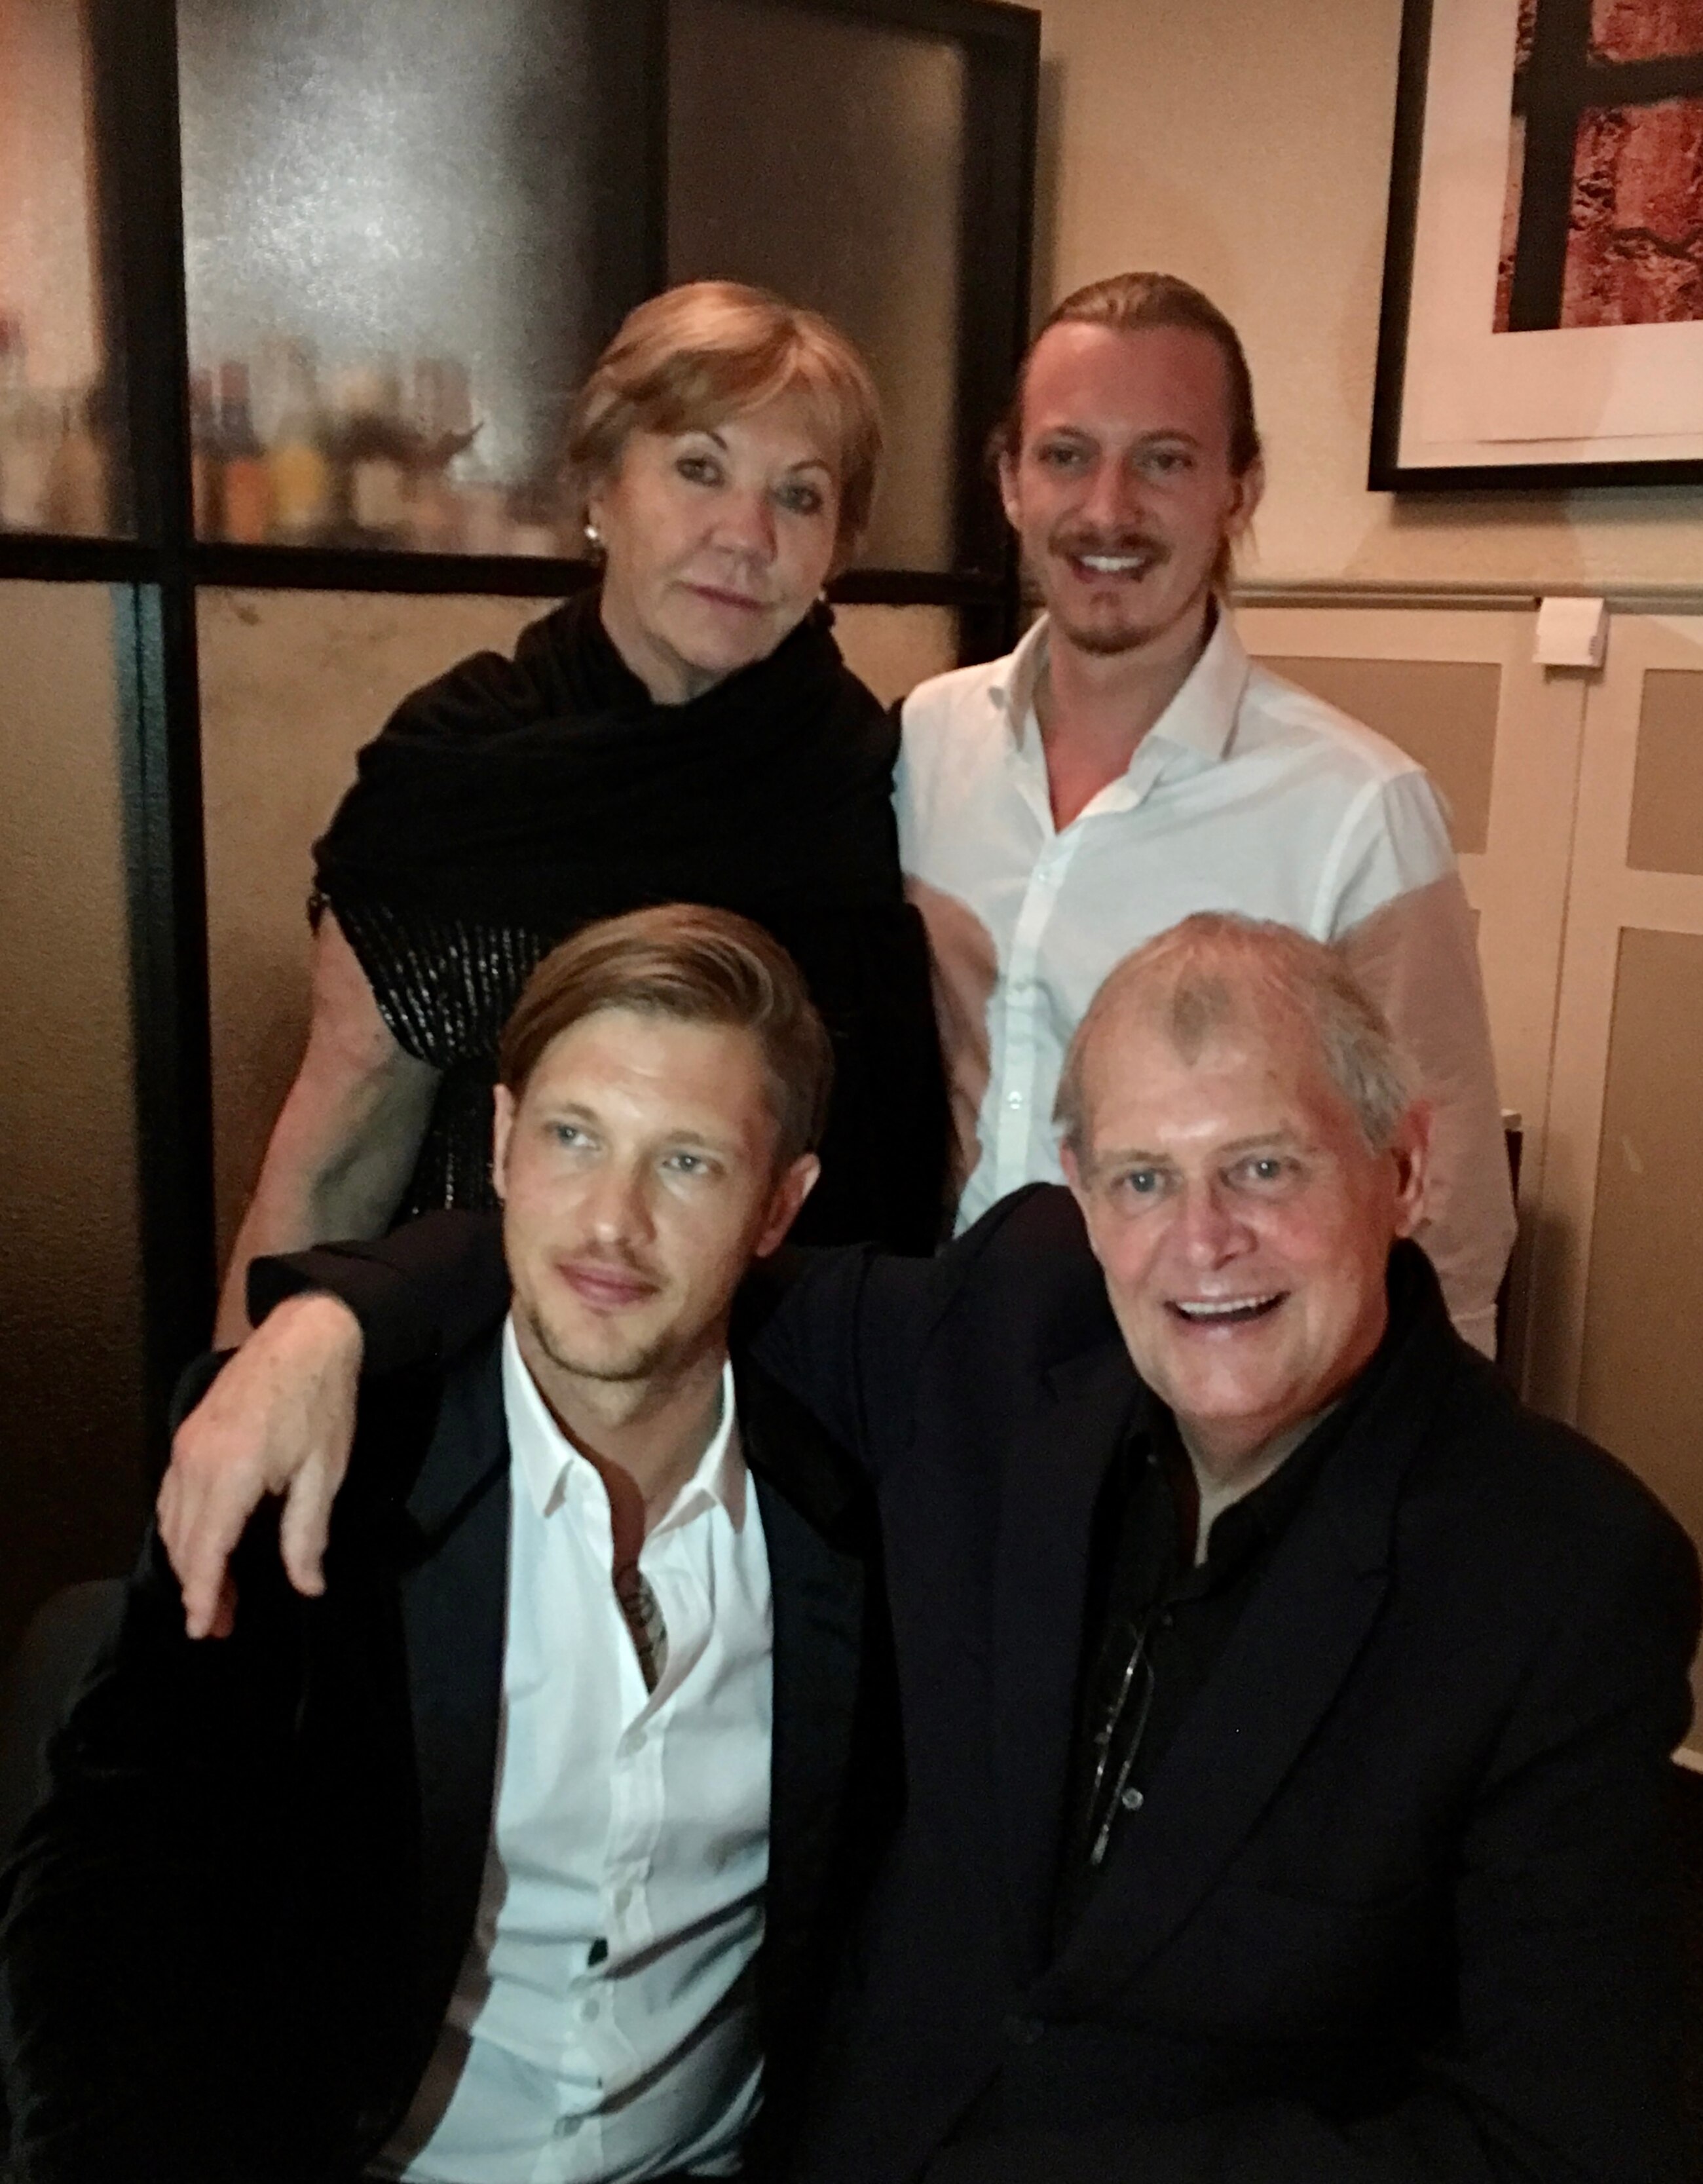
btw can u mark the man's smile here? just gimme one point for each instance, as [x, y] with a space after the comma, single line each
[1225, 1312]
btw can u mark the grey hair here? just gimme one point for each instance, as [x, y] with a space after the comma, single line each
[1200, 975]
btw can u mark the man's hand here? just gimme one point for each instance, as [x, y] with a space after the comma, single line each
[279, 1419]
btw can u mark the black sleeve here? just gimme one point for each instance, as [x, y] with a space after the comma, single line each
[1564, 2066]
[422, 1295]
[885, 1153]
[133, 1916]
[849, 1331]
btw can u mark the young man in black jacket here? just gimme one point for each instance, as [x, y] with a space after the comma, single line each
[1287, 1711]
[523, 1852]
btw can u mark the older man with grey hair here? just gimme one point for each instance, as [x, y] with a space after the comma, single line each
[1287, 1710]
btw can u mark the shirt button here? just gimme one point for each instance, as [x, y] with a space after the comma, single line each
[1131, 1801]
[1023, 2031]
[1014, 1099]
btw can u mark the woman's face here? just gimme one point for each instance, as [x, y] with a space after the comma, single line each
[716, 543]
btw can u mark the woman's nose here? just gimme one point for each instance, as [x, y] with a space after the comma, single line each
[746, 520]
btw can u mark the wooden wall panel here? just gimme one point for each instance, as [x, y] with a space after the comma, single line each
[1640, 1390]
[1443, 712]
[72, 1490]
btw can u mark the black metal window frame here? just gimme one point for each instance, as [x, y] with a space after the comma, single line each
[158, 569]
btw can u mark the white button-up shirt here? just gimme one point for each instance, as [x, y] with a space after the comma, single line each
[602, 2026]
[1247, 794]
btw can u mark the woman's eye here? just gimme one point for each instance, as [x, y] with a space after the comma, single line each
[802, 499]
[697, 470]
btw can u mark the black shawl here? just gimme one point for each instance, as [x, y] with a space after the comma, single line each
[511, 801]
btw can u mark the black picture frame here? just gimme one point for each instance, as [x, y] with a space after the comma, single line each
[1570, 84]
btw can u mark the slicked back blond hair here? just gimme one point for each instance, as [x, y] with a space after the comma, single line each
[1130, 304]
[692, 965]
[1215, 971]
[694, 357]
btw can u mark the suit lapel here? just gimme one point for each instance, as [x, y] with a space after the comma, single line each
[1052, 1479]
[453, 1592]
[817, 1564]
[1291, 1651]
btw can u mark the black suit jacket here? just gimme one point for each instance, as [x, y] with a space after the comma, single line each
[232, 1933]
[1398, 1906]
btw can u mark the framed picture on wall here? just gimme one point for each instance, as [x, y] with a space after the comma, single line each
[1542, 291]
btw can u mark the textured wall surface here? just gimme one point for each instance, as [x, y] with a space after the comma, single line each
[1245, 144]
[71, 1488]
[1635, 249]
[1645, 30]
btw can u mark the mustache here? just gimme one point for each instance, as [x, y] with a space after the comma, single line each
[1075, 540]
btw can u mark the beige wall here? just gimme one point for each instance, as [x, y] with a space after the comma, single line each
[71, 1483]
[1245, 144]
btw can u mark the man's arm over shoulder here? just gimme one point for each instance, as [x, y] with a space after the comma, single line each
[280, 1419]
[422, 1294]
[849, 1331]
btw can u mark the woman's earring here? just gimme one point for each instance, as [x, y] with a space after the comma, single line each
[594, 538]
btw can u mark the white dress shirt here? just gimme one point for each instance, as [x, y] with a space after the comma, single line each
[602, 2025]
[1247, 794]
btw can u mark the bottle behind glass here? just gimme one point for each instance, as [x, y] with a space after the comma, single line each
[301, 474]
[207, 467]
[75, 499]
[29, 435]
[248, 477]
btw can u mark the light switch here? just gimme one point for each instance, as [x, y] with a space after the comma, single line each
[1571, 632]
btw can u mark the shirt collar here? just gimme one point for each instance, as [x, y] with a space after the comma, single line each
[547, 1460]
[1201, 717]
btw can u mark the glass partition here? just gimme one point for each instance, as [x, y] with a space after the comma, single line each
[405, 225]
[63, 466]
[823, 156]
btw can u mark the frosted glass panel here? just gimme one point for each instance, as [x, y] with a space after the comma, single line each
[390, 237]
[61, 468]
[823, 158]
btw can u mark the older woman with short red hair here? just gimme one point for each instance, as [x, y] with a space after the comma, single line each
[686, 731]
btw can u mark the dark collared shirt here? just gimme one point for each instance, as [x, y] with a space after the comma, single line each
[1144, 1587]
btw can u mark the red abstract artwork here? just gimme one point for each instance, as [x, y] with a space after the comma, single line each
[1603, 223]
